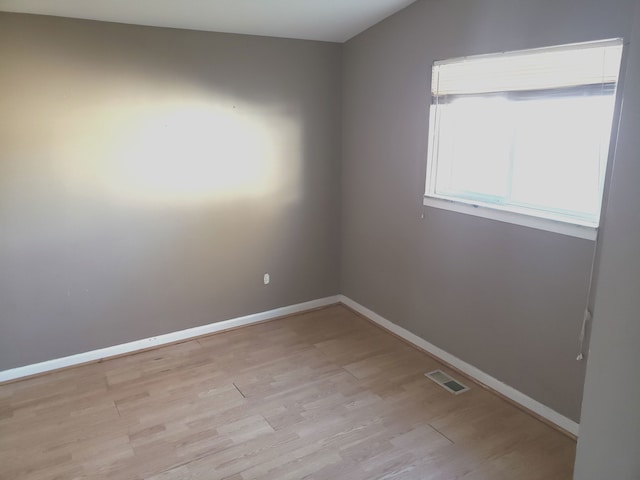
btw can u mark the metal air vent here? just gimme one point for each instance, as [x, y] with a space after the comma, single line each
[446, 382]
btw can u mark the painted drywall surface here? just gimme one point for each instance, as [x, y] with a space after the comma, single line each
[609, 443]
[150, 177]
[504, 298]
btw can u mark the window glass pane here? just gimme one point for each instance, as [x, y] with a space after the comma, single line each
[474, 149]
[560, 150]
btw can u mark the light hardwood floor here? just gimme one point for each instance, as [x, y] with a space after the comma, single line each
[324, 395]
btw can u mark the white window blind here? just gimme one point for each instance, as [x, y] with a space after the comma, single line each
[558, 67]
[526, 132]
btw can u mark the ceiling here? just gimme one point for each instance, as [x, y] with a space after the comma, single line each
[327, 20]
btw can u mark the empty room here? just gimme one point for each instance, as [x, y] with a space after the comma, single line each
[311, 239]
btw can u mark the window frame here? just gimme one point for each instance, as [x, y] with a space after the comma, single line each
[510, 213]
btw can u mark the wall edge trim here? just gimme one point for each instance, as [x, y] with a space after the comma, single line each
[160, 340]
[529, 404]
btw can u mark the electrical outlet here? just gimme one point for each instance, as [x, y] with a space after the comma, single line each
[267, 279]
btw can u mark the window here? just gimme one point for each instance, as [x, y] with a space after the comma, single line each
[524, 136]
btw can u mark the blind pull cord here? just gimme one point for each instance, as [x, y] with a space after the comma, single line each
[588, 315]
[586, 319]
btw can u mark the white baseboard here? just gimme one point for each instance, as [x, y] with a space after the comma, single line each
[482, 377]
[475, 373]
[102, 353]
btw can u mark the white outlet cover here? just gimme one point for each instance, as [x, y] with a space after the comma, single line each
[267, 279]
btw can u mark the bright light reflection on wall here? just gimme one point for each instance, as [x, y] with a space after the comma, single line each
[180, 152]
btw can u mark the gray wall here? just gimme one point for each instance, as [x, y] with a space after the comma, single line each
[609, 443]
[149, 177]
[505, 298]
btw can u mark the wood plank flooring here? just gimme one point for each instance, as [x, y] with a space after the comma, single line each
[322, 395]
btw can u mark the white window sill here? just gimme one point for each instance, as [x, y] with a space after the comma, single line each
[502, 215]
